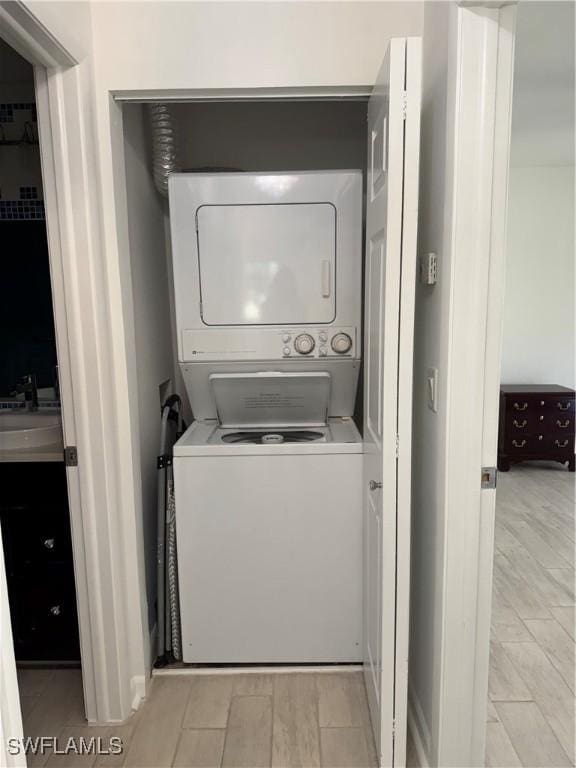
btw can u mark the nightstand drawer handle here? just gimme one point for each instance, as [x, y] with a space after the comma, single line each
[520, 426]
[563, 406]
[563, 426]
[518, 407]
[49, 543]
[561, 443]
[55, 610]
[516, 444]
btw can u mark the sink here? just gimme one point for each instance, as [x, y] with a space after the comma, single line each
[22, 430]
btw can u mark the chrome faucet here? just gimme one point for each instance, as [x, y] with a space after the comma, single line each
[28, 388]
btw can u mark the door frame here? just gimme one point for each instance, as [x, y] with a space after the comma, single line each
[108, 573]
[485, 69]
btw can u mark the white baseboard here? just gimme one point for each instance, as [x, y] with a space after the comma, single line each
[418, 729]
[137, 690]
[280, 670]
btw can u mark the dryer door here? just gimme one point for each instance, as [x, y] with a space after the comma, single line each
[267, 264]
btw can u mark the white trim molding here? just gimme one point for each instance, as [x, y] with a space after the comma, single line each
[492, 362]
[20, 29]
[91, 339]
[484, 72]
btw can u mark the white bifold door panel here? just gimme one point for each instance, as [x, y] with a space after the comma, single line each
[267, 264]
[391, 211]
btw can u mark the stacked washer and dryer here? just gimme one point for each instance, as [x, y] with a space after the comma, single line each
[267, 276]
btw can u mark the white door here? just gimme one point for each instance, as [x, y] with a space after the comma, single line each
[391, 202]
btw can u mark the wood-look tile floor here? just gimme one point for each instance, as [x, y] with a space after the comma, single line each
[252, 720]
[531, 688]
[285, 721]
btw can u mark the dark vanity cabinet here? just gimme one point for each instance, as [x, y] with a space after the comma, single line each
[38, 555]
[536, 422]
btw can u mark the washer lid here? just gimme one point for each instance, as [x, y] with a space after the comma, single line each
[271, 398]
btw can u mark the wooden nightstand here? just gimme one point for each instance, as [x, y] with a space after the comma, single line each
[536, 422]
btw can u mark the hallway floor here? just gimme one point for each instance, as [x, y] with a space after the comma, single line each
[213, 720]
[531, 690]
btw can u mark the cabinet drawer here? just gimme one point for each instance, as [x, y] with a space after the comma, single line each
[560, 424]
[542, 423]
[519, 425]
[560, 405]
[560, 444]
[524, 444]
[44, 615]
[34, 537]
[521, 404]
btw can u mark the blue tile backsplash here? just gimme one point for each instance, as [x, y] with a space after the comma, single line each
[7, 111]
[23, 210]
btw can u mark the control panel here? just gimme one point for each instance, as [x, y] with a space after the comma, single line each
[268, 344]
[318, 343]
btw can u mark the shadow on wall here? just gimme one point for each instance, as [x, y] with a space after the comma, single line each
[27, 336]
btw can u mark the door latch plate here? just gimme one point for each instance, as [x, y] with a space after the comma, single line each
[489, 476]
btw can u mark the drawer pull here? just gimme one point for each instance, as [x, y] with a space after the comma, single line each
[540, 437]
[563, 406]
[518, 407]
[521, 444]
[561, 443]
[55, 610]
[563, 426]
[49, 543]
[520, 426]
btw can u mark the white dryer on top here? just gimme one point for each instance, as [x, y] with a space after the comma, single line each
[267, 265]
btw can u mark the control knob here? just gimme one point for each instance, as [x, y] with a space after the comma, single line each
[341, 343]
[304, 343]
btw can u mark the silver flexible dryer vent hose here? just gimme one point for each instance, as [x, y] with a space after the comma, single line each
[163, 145]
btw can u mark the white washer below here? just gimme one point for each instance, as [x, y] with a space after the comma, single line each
[270, 544]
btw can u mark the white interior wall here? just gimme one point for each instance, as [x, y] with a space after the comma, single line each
[431, 349]
[538, 344]
[152, 328]
[173, 45]
[539, 340]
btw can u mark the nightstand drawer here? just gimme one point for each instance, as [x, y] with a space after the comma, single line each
[546, 422]
[561, 405]
[520, 405]
[560, 424]
[560, 443]
[522, 424]
[523, 444]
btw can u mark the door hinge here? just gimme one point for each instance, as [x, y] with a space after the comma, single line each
[397, 446]
[71, 456]
[489, 477]
[404, 104]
